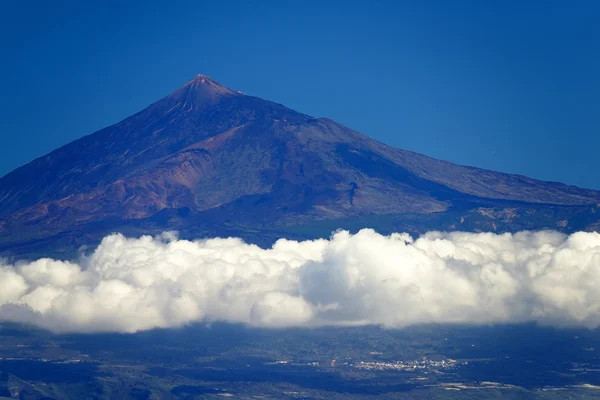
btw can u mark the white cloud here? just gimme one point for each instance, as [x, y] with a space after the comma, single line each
[127, 285]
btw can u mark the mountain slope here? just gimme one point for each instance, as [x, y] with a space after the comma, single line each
[209, 154]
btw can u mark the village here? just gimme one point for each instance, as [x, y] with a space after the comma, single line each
[413, 365]
[424, 365]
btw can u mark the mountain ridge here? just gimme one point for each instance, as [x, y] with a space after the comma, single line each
[209, 149]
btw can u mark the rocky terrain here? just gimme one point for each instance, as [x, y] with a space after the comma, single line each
[207, 160]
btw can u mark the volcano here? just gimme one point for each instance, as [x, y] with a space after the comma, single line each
[207, 160]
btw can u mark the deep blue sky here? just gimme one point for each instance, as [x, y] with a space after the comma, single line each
[497, 84]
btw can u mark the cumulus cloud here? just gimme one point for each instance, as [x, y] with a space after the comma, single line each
[133, 284]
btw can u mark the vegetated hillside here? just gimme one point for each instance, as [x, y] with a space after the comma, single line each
[208, 160]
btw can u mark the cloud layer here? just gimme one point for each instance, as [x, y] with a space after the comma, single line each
[128, 285]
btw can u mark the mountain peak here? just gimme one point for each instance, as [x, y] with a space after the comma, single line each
[202, 91]
[201, 79]
[208, 160]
